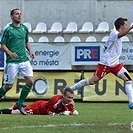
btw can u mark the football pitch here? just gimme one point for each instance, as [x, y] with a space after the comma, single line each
[92, 118]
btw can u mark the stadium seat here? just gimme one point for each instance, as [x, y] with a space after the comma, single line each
[102, 28]
[43, 39]
[28, 26]
[6, 25]
[59, 39]
[113, 28]
[91, 39]
[71, 28]
[125, 39]
[105, 38]
[75, 39]
[55, 28]
[40, 28]
[31, 39]
[86, 28]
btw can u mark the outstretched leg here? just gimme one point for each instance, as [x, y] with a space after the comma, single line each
[10, 111]
[85, 82]
[128, 86]
[5, 111]
[80, 84]
[99, 74]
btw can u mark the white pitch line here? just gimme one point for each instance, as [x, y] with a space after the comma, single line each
[61, 125]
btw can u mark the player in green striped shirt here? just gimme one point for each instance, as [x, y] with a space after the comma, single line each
[14, 43]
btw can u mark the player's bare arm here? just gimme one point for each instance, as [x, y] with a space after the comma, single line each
[29, 49]
[124, 31]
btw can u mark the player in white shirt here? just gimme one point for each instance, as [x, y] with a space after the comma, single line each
[113, 48]
[110, 61]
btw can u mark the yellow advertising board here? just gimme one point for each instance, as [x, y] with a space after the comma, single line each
[47, 84]
[110, 88]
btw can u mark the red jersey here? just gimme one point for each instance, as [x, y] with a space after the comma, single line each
[54, 105]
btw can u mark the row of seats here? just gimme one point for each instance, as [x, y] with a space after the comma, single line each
[72, 27]
[76, 39]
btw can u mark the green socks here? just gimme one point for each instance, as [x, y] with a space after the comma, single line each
[24, 93]
[3, 91]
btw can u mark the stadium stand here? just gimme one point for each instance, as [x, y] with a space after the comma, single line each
[59, 39]
[40, 28]
[91, 39]
[55, 28]
[6, 25]
[102, 28]
[31, 39]
[71, 28]
[86, 28]
[75, 39]
[104, 39]
[43, 39]
[125, 39]
[113, 28]
[28, 26]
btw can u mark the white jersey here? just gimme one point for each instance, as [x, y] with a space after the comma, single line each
[113, 50]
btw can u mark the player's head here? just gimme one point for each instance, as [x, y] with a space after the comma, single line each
[120, 22]
[16, 15]
[68, 89]
[68, 95]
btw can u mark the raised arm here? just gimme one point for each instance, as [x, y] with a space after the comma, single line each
[125, 31]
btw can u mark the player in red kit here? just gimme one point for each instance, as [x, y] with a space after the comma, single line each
[57, 105]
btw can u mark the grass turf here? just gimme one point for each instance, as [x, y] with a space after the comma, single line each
[92, 118]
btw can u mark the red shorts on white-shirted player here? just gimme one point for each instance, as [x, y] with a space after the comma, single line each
[103, 70]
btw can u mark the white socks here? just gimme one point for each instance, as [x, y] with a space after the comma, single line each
[81, 83]
[129, 91]
[128, 88]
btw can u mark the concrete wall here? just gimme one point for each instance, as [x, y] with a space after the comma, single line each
[64, 11]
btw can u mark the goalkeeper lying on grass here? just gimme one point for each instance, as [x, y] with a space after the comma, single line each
[57, 105]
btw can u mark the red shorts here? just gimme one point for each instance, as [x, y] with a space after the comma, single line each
[103, 70]
[34, 108]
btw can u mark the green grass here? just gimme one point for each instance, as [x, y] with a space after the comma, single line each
[92, 118]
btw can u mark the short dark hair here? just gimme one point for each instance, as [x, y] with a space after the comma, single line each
[12, 11]
[119, 22]
[68, 89]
